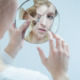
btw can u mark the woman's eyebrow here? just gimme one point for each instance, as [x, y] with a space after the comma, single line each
[51, 13]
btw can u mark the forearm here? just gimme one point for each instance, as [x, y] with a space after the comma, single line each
[8, 55]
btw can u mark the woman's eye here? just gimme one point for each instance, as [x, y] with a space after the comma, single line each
[34, 22]
[50, 17]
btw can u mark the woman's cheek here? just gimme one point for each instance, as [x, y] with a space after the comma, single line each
[34, 30]
[49, 25]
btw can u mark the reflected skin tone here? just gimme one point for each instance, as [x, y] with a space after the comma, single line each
[45, 16]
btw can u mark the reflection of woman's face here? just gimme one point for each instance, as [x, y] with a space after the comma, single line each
[45, 16]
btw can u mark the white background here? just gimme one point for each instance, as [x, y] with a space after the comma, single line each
[69, 30]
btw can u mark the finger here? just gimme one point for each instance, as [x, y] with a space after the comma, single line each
[42, 56]
[58, 40]
[67, 50]
[64, 49]
[51, 43]
[63, 44]
[23, 33]
[24, 26]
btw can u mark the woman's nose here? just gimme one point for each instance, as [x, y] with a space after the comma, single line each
[43, 21]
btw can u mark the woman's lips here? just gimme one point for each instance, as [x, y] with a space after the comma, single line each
[42, 30]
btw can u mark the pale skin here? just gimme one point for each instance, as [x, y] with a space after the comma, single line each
[56, 63]
[46, 16]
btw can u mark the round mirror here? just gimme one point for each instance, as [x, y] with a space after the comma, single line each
[44, 17]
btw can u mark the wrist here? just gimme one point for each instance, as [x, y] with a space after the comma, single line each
[6, 58]
[63, 76]
[11, 50]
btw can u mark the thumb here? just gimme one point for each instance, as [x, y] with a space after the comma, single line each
[24, 26]
[42, 56]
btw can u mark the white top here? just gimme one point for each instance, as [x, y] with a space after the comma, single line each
[6, 58]
[13, 73]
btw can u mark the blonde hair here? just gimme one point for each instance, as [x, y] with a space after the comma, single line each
[32, 11]
[24, 14]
